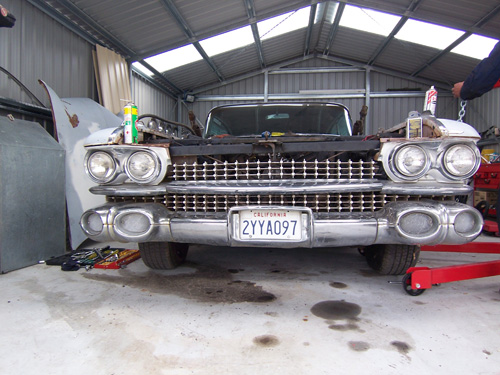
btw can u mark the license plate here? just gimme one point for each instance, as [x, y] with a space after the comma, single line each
[262, 224]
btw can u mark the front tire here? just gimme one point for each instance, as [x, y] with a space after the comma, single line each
[163, 255]
[392, 259]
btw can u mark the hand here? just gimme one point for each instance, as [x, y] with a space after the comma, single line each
[456, 89]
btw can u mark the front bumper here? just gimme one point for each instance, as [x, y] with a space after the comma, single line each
[420, 223]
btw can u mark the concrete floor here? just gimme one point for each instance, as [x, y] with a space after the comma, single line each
[248, 311]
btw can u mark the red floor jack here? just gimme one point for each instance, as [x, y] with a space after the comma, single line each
[418, 279]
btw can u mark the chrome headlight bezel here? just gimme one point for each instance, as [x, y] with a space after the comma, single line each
[123, 156]
[152, 173]
[450, 171]
[109, 176]
[398, 167]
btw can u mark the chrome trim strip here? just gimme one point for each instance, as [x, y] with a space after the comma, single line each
[273, 187]
[292, 187]
[129, 190]
[426, 189]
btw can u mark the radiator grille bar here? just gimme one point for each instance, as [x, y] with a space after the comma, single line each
[272, 170]
[319, 203]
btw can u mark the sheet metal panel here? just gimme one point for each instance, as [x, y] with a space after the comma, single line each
[284, 47]
[386, 112]
[440, 70]
[191, 75]
[203, 16]
[354, 44]
[253, 85]
[150, 100]
[38, 47]
[238, 62]
[32, 200]
[144, 26]
[114, 79]
[484, 112]
[294, 83]
[382, 82]
[405, 56]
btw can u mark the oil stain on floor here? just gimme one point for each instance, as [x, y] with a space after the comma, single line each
[359, 346]
[207, 284]
[338, 285]
[334, 310]
[401, 346]
[266, 341]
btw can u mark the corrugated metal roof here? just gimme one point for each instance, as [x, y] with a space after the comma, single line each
[365, 43]
[405, 56]
[142, 28]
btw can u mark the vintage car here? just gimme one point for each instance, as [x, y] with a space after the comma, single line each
[285, 175]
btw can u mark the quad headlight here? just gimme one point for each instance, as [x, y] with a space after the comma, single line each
[142, 166]
[101, 167]
[460, 161]
[411, 161]
[118, 164]
[443, 161]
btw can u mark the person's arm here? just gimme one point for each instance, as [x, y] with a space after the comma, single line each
[484, 76]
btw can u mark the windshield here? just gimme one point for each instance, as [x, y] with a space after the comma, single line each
[279, 119]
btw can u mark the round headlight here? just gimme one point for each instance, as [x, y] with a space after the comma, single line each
[142, 167]
[101, 167]
[460, 161]
[411, 161]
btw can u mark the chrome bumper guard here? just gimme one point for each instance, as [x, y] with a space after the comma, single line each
[420, 222]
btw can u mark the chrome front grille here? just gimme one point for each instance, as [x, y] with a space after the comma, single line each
[273, 170]
[319, 203]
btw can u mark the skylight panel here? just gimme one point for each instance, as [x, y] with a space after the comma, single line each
[331, 11]
[475, 46]
[368, 20]
[174, 58]
[428, 34]
[284, 23]
[228, 41]
[142, 68]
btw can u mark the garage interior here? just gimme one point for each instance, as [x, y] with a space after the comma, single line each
[231, 310]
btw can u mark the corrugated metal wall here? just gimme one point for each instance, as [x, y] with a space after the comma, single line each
[383, 112]
[484, 112]
[386, 112]
[38, 47]
[150, 100]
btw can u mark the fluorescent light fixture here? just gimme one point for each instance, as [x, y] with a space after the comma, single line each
[428, 34]
[476, 46]
[284, 23]
[368, 20]
[228, 41]
[142, 68]
[174, 58]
